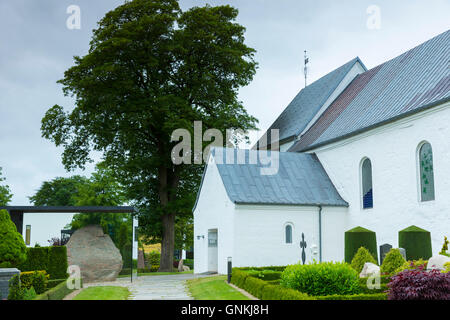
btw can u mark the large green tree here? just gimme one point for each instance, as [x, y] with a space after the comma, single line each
[5, 192]
[152, 68]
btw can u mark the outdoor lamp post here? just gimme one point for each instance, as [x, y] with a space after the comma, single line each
[229, 268]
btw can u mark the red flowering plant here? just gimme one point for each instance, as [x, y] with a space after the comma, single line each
[419, 284]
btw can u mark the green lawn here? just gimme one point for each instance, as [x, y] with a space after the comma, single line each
[103, 293]
[156, 274]
[213, 288]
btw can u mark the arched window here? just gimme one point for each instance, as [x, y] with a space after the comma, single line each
[288, 233]
[366, 179]
[426, 172]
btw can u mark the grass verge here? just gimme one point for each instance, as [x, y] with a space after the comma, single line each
[103, 293]
[213, 288]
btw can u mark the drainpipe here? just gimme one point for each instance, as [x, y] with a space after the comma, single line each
[320, 233]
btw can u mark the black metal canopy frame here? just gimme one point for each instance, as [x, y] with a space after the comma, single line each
[16, 213]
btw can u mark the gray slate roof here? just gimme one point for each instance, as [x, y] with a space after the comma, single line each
[301, 180]
[307, 103]
[416, 80]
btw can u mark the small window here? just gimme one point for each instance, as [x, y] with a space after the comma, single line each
[288, 232]
[28, 235]
[367, 192]
[426, 172]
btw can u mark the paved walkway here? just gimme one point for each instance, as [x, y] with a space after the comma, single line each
[168, 287]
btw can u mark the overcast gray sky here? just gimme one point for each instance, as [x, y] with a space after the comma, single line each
[36, 48]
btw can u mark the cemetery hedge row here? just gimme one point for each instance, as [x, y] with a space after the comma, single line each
[56, 293]
[51, 259]
[247, 279]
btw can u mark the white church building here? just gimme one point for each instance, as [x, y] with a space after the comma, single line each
[358, 147]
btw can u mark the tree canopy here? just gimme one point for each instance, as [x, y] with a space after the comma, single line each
[5, 192]
[151, 69]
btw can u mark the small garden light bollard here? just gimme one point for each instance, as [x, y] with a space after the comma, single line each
[229, 269]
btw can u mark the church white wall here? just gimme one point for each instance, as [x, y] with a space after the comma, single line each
[214, 210]
[392, 150]
[260, 234]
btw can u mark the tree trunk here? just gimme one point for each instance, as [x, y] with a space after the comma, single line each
[168, 242]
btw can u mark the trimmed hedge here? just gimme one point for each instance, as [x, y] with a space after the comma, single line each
[56, 293]
[54, 283]
[254, 286]
[276, 292]
[57, 262]
[416, 242]
[266, 275]
[238, 277]
[51, 259]
[360, 237]
[375, 296]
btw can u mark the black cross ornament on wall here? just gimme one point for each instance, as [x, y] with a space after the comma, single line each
[303, 246]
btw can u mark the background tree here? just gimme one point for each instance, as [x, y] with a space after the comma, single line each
[12, 247]
[101, 189]
[151, 69]
[59, 191]
[5, 193]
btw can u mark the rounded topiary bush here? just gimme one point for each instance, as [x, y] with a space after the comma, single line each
[416, 242]
[12, 247]
[360, 237]
[361, 257]
[321, 279]
[392, 261]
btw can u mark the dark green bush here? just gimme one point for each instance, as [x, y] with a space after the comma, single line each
[16, 291]
[254, 286]
[320, 279]
[238, 277]
[360, 237]
[189, 263]
[416, 242]
[392, 262]
[34, 279]
[12, 246]
[154, 258]
[361, 257]
[51, 259]
[276, 292]
[57, 262]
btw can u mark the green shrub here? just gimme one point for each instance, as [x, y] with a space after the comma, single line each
[412, 265]
[154, 258]
[361, 257]
[444, 247]
[360, 237]
[34, 279]
[29, 294]
[416, 242]
[238, 277]
[274, 268]
[254, 286]
[374, 296]
[320, 279]
[189, 263]
[447, 267]
[392, 262]
[37, 259]
[16, 291]
[12, 246]
[276, 292]
[57, 262]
